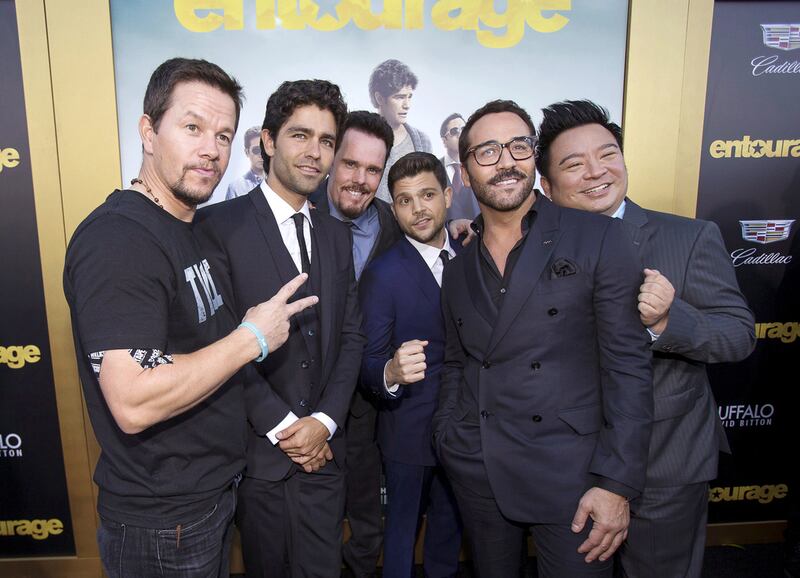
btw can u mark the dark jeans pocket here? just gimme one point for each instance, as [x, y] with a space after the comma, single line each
[198, 548]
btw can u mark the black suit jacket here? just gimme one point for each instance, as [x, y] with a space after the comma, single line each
[388, 235]
[555, 395]
[244, 241]
[709, 322]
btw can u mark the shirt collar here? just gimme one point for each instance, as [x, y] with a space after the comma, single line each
[449, 161]
[431, 254]
[620, 212]
[282, 210]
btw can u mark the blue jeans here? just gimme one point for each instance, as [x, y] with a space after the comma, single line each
[201, 551]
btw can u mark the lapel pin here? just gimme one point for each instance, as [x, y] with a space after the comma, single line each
[547, 242]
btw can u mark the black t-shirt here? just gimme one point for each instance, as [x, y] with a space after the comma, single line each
[136, 278]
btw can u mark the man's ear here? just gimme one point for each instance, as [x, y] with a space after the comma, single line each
[448, 196]
[545, 186]
[464, 175]
[267, 142]
[379, 99]
[147, 133]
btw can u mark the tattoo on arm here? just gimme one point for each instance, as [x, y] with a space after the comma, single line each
[147, 358]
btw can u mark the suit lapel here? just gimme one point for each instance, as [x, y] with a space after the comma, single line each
[478, 292]
[418, 271]
[536, 251]
[281, 259]
[386, 233]
[636, 220]
[323, 255]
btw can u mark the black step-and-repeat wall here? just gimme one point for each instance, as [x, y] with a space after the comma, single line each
[34, 507]
[750, 186]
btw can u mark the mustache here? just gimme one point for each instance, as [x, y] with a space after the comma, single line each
[357, 188]
[203, 166]
[422, 216]
[511, 173]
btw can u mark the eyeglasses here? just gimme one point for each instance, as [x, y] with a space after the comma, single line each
[255, 150]
[455, 131]
[489, 153]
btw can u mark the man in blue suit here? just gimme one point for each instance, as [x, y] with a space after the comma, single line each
[400, 297]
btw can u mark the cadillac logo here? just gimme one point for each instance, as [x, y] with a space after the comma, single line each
[766, 231]
[781, 36]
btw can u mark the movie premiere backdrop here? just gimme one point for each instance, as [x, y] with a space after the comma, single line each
[750, 186]
[464, 53]
[34, 506]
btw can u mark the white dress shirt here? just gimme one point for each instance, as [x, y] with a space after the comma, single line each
[283, 213]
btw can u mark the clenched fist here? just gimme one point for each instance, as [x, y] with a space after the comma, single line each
[408, 364]
[655, 298]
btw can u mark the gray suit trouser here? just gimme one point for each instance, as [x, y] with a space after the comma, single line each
[667, 535]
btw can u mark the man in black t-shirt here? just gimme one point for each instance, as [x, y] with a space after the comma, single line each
[157, 340]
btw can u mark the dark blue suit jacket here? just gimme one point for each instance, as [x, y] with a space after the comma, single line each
[401, 301]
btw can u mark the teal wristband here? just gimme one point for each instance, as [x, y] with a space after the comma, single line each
[262, 341]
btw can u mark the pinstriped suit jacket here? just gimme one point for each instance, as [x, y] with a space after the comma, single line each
[709, 322]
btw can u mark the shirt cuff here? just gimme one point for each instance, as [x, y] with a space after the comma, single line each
[285, 422]
[390, 389]
[326, 421]
[653, 335]
[617, 488]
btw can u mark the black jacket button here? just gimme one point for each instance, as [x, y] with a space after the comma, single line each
[537, 418]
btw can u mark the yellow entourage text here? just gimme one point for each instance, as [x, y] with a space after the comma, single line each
[499, 30]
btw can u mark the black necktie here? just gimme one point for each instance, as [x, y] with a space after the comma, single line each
[301, 240]
[445, 257]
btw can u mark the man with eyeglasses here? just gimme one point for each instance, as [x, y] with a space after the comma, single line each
[253, 177]
[464, 205]
[546, 401]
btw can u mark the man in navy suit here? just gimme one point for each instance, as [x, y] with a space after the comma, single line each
[400, 298]
[546, 397]
[691, 304]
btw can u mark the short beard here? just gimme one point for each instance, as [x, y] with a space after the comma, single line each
[349, 211]
[502, 202]
[437, 230]
[190, 197]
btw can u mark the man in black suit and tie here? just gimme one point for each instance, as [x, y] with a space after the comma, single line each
[400, 298]
[546, 398]
[349, 196]
[292, 498]
[464, 205]
[695, 314]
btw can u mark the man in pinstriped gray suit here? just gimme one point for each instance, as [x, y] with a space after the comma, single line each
[695, 314]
